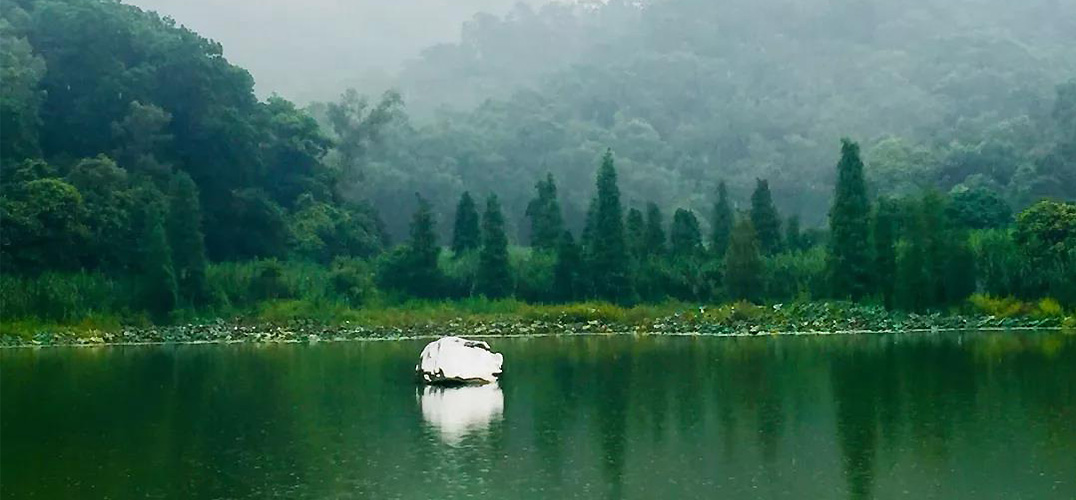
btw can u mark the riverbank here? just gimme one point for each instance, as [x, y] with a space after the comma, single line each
[291, 322]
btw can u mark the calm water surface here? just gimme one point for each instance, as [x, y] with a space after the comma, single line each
[984, 415]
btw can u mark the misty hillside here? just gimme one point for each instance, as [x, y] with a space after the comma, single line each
[688, 92]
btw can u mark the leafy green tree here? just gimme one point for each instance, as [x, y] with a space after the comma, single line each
[848, 263]
[494, 278]
[187, 240]
[684, 234]
[261, 227]
[293, 156]
[466, 234]
[607, 254]
[21, 71]
[636, 229]
[321, 232]
[743, 262]
[157, 277]
[544, 213]
[109, 207]
[1046, 231]
[141, 137]
[655, 232]
[765, 218]
[567, 274]
[978, 209]
[1046, 236]
[885, 258]
[44, 225]
[722, 222]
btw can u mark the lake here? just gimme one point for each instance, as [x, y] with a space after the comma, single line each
[941, 415]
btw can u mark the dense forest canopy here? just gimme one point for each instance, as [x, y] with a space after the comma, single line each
[642, 150]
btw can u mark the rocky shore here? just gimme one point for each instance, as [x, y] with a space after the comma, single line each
[816, 318]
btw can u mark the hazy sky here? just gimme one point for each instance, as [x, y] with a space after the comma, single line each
[313, 49]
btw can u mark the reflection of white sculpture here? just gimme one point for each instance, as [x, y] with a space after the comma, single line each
[458, 411]
[453, 360]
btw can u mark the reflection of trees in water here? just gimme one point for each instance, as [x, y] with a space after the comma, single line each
[337, 420]
[856, 391]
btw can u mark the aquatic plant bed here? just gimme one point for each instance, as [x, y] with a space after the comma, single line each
[735, 319]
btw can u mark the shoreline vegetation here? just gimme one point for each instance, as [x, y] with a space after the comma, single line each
[284, 322]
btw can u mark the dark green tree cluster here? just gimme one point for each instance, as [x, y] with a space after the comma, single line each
[128, 138]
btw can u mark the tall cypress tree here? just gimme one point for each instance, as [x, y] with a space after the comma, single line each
[186, 239]
[158, 276]
[465, 232]
[494, 277]
[684, 234]
[848, 262]
[423, 277]
[636, 233]
[607, 254]
[544, 213]
[765, 219]
[722, 223]
[885, 252]
[655, 233]
[743, 262]
[567, 284]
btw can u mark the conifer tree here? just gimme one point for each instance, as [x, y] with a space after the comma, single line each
[607, 254]
[765, 219]
[722, 223]
[655, 233]
[494, 277]
[187, 240]
[567, 284]
[422, 276]
[885, 256]
[636, 233]
[743, 262]
[544, 213]
[848, 261]
[465, 232]
[686, 241]
[157, 273]
[793, 236]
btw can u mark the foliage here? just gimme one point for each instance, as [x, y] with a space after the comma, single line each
[743, 262]
[848, 261]
[494, 279]
[544, 213]
[721, 224]
[466, 235]
[765, 218]
[606, 254]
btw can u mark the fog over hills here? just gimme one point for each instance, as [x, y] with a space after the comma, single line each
[311, 50]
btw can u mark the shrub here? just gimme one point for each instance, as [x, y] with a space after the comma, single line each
[1007, 307]
[1048, 308]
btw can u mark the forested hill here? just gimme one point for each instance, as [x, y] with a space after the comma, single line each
[688, 92]
[108, 110]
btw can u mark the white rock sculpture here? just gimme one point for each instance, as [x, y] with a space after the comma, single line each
[458, 412]
[455, 360]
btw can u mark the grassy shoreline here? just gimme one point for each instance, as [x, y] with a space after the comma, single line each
[298, 321]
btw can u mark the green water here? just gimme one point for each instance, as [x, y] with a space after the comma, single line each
[948, 416]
